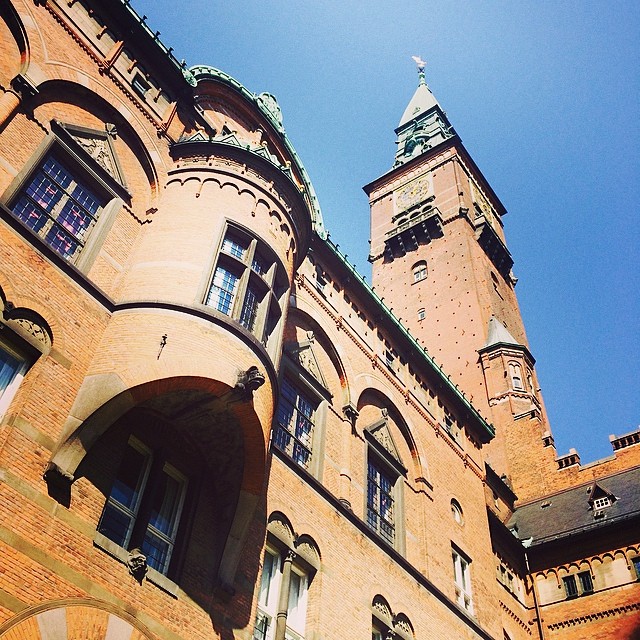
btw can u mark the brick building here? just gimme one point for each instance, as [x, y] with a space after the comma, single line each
[212, 427]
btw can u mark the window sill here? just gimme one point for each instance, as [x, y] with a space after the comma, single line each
[121, 554]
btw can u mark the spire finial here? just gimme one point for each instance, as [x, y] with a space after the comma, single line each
[421, 65]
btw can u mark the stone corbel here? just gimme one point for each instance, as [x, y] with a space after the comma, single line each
[24, 87]
[350, 413]
[248, 382]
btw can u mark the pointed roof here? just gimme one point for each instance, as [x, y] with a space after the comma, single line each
[499, 334]
[423, 125]
[422, 101]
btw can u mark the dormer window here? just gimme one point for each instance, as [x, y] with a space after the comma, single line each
[599, 499]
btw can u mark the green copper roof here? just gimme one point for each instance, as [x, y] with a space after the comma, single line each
[269, 107]
[444, 378]
[423, 125]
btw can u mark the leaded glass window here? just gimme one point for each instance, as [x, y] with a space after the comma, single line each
[248, 283]
[59, 206]
[223, 290]
[380, 502]
[294, 427]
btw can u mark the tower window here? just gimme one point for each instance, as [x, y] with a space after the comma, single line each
[515, 371]
[570, 587]
[586, 583]
[419, 270]
[421, 314]
[636, 565]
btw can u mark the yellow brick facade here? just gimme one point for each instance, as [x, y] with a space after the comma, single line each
[207, 328]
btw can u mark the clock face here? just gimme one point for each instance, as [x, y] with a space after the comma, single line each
[413, 192]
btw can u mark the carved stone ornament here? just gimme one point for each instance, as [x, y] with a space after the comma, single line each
[304, 356]
[137, 564]
[32, 329]
[350, 412]
[249, 381]
[380, 431]
[100, 150]
[382, 610]
[269, 103]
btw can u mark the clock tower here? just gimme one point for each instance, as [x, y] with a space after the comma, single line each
[440, 262]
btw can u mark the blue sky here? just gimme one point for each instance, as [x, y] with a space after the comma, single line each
[546, 98]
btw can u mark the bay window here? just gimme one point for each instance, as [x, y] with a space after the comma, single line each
[248, 283]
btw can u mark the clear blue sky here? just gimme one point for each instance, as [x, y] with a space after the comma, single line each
[545, 96]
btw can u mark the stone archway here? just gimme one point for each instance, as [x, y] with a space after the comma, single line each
[74, 619]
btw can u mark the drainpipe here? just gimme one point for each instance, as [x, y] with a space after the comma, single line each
[526, 544]
[283, 603]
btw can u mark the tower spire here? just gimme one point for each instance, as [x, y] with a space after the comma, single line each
[423, 123]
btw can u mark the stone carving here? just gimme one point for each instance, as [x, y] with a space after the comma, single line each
[137, 563]
[383, 610]
[249, 381]
[380, 431]
[100, 151]
[269, 104]
[25, 325]
[304, 356]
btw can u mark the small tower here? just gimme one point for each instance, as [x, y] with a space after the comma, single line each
[440, 260]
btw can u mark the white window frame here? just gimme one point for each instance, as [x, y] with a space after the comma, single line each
[259, 290]
[8, 392]
[462, 580]
[132, 513]
[297, 617]
[269, 598]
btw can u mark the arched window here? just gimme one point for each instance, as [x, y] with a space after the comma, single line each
[419, 270]
[515, 371]
[456, 511]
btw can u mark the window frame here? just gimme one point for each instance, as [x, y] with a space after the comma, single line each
[419, 271]
[154, 466]
[586, 582]
[259, 273]
[601, 503]
[515, 375]
[268, 610]
[462, 579]
[60, 144]
[24, 355]
[293, 437]
[396, 472]
[570, 587]
[635, 563]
